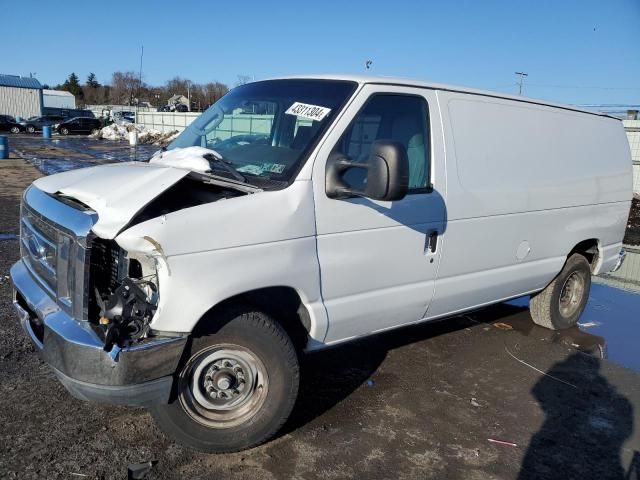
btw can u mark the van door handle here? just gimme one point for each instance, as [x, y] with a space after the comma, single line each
[431, 243]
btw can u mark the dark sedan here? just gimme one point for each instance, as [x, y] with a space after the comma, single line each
[35, 124]
[78, 125]
[7, 124]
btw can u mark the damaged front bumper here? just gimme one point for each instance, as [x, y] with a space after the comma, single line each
[141, 374]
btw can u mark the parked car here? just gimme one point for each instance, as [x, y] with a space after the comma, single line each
[35, 124]
[192, 284]
[8, 124]
[181, 107]
[78, 125]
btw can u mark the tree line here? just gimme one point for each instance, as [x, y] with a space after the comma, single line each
[127, 88]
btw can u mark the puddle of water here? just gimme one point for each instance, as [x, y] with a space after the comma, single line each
[85, 155]
[609, 327]
[8, 236]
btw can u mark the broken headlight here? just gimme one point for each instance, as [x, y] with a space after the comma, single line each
[125, 293]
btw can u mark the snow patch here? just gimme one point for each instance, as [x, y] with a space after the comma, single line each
[145, 135]
[190, 158]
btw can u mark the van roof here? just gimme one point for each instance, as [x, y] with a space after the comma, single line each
[382, 80]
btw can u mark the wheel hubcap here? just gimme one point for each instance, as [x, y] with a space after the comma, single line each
[223, 386]
[571, 294]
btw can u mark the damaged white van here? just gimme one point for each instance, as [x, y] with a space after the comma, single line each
[299, 213]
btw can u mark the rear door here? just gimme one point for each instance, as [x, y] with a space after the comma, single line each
[379, 260]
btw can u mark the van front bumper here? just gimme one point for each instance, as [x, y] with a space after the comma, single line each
[141, 374]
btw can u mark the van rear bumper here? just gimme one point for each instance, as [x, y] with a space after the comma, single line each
[141, 374]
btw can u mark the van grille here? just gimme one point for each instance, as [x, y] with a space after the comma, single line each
[55, 251]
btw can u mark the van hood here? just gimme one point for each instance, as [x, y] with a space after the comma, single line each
[118, 191]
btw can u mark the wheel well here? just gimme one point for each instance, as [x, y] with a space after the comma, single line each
[283, 304]
[588, 249]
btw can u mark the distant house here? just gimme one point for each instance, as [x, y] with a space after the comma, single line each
[20, 96]
[58, 99]
[178, 99]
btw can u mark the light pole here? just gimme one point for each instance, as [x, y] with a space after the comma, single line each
[521, 81]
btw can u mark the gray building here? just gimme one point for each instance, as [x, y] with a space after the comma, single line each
[20, 96]
[58, 99]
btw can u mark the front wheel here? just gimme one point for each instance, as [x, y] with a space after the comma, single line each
[237, 386]
[561, 303]
[15, 129]
[64, 131]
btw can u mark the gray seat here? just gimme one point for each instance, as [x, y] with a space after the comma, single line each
[407, 130]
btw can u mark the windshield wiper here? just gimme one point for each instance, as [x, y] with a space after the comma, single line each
[215, 157]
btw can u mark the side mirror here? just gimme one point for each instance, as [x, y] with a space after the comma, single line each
[387, 173]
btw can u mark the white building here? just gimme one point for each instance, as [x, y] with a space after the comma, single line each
[20, 96]
[58, 99]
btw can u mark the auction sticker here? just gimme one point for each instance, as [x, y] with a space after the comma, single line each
[305, 110]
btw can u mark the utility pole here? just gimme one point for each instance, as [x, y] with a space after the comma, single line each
[521, 81]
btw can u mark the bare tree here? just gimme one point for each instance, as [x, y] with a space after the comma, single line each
[242, 79]
[178, 86]
[125, 87]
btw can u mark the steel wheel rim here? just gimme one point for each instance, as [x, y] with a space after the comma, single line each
[223, 386]
[571, 294]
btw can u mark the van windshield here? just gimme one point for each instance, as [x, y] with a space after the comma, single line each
[265, 130]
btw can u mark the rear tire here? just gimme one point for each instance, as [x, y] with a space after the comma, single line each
[561, 303]
[236, 387]
[31, 129]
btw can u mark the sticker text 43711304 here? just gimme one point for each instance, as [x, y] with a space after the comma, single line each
[305, 110]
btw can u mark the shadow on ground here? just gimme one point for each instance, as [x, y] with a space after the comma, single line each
[586, 424]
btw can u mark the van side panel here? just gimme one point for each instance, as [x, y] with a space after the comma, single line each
[525, 184]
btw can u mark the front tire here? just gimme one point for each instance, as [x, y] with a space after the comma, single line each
[561, 303]
[15, 130]
[237, 386]
[64, 131]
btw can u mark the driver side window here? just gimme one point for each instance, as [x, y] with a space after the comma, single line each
[401, 118]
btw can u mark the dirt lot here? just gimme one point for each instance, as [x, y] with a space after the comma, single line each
[432, 401]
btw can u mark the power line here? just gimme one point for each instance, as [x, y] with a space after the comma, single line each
[581, 86]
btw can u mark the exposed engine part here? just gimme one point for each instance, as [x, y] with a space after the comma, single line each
[126, 313]
[124, 295]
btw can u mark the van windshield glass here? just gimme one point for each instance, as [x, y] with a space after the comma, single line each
[265, 130]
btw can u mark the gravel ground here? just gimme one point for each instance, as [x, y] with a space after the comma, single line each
[422, 402]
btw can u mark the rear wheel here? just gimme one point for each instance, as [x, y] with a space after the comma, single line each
[561, 303]
[31, 129]
[64, 131]
[236, 388]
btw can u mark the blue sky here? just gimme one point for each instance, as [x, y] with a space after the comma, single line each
[575, 51]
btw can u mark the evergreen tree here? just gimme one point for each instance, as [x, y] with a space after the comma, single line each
[72, 85]
[92, 81]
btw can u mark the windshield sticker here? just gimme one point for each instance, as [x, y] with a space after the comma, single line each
[304, 110]
[252, 169]
[265, 167]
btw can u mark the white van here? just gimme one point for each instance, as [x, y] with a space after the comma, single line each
[299, 213]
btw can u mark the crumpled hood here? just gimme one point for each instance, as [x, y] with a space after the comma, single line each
[116, 192]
